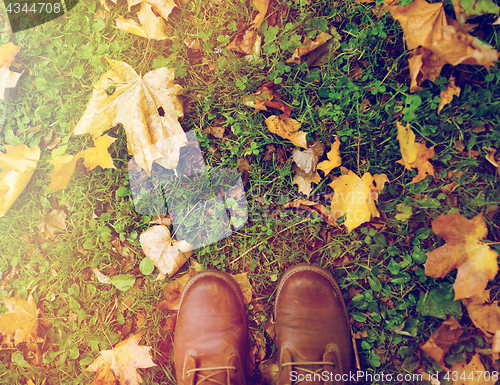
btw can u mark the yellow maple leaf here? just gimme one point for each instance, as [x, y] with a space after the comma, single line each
[287, 128]
[484, 315]
[17, 165]
[98, 155]
[121, 363]
[64, 166]
[246, 288]
[469, 372]
[147, 106]
[475, 261]
[261, 6]
[446, 95]
[7, 54]
[415, 155]
[153, 27]
[163, 7]
[355, 198]
[21, 322]
[334, 159]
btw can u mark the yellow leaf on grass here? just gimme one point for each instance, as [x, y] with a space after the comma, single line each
[309, 45]
[355, 198]
[147, 106]
[64, 166]
[21, 322]
[442, 338]
[17, 165]
[468, 373]
[167, 254]
[246, 288]
[304, 183]
[163, 7]
[485, 315]
[415, 155]
[287, 128]
[172, 291]
[121, 363]
[98, 155]
[334, 159]
[475, 261]
[447, 94]
[261, 6]
[7, 54]
[153, 27]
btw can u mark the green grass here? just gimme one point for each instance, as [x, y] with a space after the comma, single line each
[379, 265]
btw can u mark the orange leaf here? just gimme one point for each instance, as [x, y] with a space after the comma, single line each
[334, 159]
[121, 363]
[442, 338]
[447, 94]
[469, 374]
[21, 322]
[7, 54]
[64, 166]
[485, 315]
[475, 261]
[246, 288]
[172, 291]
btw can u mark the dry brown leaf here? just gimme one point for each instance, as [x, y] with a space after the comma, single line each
[55, 220]
[491, 158]
[64, 166]
[17, 165]
[442, 338]
[415, 155]
[309, 45]
[304, 183]
[216, 131]
[148, 108]
[152, 26]
[305, 162]
[334, 159]
[355, 198]
[485, 315]
[287, 128]
[437, 40]
[246, 288]
[21, 322]
[99, 155]
[475, 261]
[172, 291]
[244, 165]
[265, 97]
[244, 42]
[447, 94]
[318, 208]
[161, 219]
[167, 254]
[468, 374]
[121, 363]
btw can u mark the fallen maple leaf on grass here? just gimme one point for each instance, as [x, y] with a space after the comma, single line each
[17, 165]
[475, 261]
[472, 373]
[64, 166]
[153, 27]
[121, 363]
[163, 7]
[334, 159]
[21, 322]
[99, 155]
[55, 220]
[442, 338]
[148, 108]
[287, 128]
[355, 198]
[304, 183]
[485, 315]
[415, 155]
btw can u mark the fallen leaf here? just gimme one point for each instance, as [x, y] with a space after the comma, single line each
[355, 198]
[404, 212]
[98, 155]
[64, 166]
[17, 165]
[100, 276]
[153, 27]
[167, 254]
[306, 161]
[163, 7]
[148, 108]
[415, 155]
[244, 165]
[491, 158]
[485, 315]
[475, 261]
[121, 363]
[287, 128]
[172, 291]
[309, 45]
[446, 95]
[21, 322]
[334, 159]
[55, 220]
[246, 288]
[318, 208]
[8, 54]
[161, 219]
[495, 346]
[265, 97]
[216, 131]
[469, 9]
[437, 40]
[244, 42]
[261, 6]
[468, 374]
[442, 338]
[304, 183]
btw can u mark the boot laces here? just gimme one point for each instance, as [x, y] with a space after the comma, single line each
[208, 378]
[313, 372]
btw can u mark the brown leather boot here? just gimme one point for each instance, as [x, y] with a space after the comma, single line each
[211, 331]
[313, 335]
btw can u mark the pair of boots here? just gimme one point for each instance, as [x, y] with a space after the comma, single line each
[312, 330]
